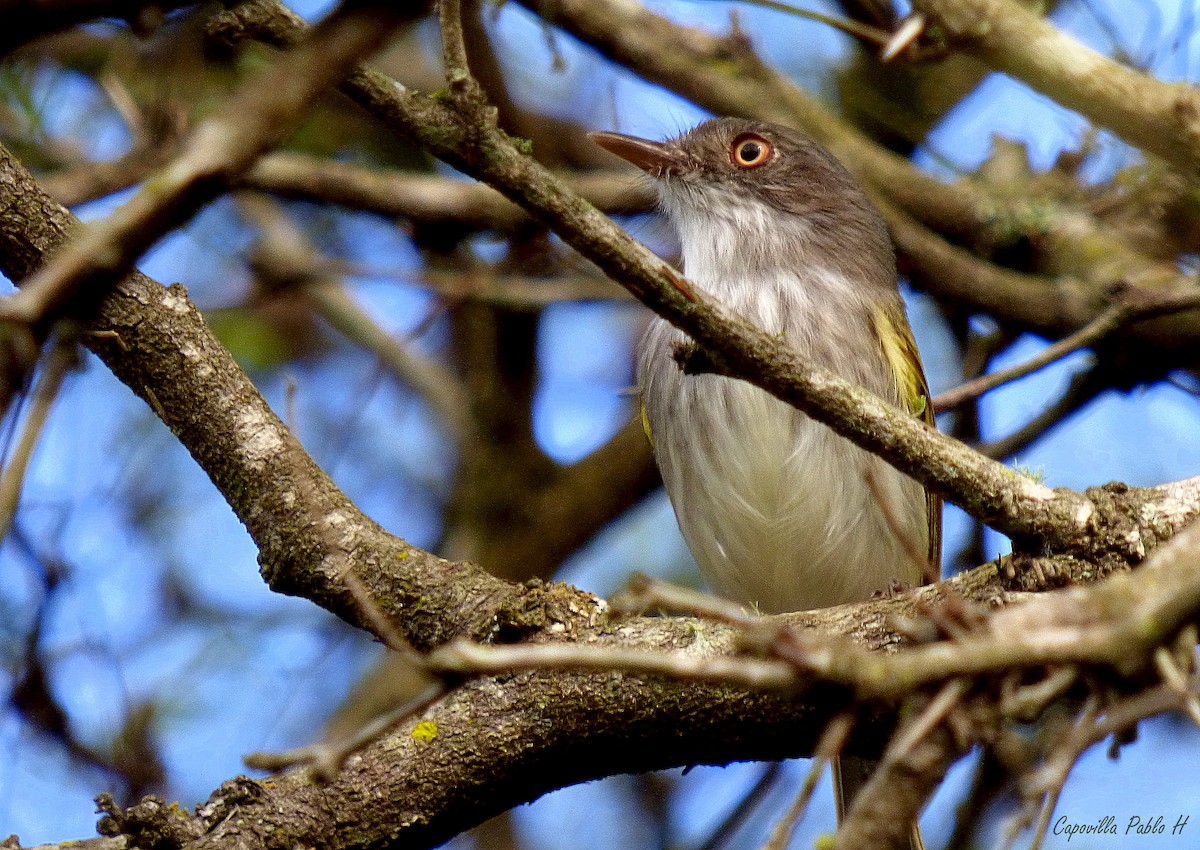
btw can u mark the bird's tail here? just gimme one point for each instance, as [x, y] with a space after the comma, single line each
[850, 774]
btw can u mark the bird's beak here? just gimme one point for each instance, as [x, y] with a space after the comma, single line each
[655, 158]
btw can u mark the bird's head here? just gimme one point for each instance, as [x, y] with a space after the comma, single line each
[759, 194]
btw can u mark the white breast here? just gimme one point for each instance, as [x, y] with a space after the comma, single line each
[775, 507]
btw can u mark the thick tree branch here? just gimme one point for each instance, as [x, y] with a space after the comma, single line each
[499, 741]
[308, 533]
[1158, 117]
[1117, 624]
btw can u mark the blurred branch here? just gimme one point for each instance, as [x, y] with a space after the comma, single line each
[883, 812]
[256, 118]
[556, 142]
[584, 497]
[736, 819]
[428, 378]
[1044, 784]
[514, 291]
[486, 285]
[960, 277]
[424, 198]
[131, 759]
[1158, 117]
[863, 32]
[831, 743]
[59, 358]
[26, 20]
[90, 180]
[284, 256]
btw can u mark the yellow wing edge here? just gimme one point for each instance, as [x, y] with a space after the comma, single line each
[900, 351]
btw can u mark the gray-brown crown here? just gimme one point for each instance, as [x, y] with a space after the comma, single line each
[819, 206]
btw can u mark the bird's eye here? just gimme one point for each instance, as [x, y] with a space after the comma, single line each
[750, 151]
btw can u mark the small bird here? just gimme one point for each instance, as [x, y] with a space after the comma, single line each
[781, 513]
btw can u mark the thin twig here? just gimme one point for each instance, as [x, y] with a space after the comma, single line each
[909, 31]
[1049, 804]
[1092, 728]
[933, 714]
[466, 657]
[1175, 679]
[987, 781]
[326, 759]
[1026, 703]
[454, 46]
[289, 405]
[487, 287]
[930, 572]
[851, 27]
[1116, 316]
[425, 198]
[127, 107]
[645, 593]
[1054, 775]
[380, 624]
[1083, 388]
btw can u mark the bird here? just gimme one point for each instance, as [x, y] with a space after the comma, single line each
[779, 512]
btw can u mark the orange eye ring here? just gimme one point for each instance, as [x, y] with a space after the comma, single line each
[750, 151]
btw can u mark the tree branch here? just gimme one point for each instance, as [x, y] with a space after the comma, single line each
[497, 741]
[427, 199]
[308, 533]
[1161, 118]
[256, 118]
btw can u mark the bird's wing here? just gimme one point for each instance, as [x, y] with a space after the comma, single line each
[900, 350]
